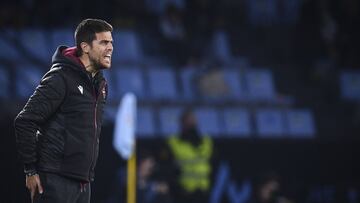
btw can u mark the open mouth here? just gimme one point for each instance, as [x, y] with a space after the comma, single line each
[107, 57]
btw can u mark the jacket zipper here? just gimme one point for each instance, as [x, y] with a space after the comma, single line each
[95, 129]
[95, 126]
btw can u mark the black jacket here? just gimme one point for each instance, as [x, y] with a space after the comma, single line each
[58, 129]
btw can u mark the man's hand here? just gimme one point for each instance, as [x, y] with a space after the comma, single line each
[34, 185]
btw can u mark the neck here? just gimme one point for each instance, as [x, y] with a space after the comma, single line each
[88, 66]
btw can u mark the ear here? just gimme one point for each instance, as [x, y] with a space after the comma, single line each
[85, 47]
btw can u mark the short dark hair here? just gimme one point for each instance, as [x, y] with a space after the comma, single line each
[87, 29]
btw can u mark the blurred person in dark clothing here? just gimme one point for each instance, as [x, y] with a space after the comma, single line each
[151, 189]
[268, 190]
[57, 132]
[191, 154]
[174, 34]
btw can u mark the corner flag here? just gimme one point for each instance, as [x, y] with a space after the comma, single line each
[125, 125]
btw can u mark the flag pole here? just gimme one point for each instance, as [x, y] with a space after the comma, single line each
[131, 178]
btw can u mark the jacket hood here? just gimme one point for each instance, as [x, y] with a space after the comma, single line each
[67, 56]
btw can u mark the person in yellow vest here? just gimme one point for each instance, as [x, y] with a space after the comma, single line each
[191, 152]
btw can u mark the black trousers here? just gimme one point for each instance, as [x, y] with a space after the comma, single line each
[59, 189]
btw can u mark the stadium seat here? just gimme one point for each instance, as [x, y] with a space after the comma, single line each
[236, 122]
[4, 83]
[187, 76]
[270, 123]
[260, 85]
[169, 120]
[129, 79]
[145, 125]
[36, 42]
[238, 62]
[162, 84]
[234, 83]
[27, 79]
[208, 121]
[128, 49]
[62, 37]
[350, 85]
[221, 50]
[300, 123]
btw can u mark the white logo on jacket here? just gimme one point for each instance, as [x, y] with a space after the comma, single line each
[81, 89]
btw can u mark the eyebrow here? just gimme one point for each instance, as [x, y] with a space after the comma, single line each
[104, 40]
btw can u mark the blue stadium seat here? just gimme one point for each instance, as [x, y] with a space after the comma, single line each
[36, 41]
[350, 85]
[169, 120]
[187, 76]
[208, 121]
[260, 85]
[62, 37]
[127, 48]
[233, 81]
[4, 83]
[236, 122]
[162, 84]
[238, 62]
[8, 51]
[270, 123]
[145, 125]
[300, 123]
[27, 79]
[129, 80]
[220, 47]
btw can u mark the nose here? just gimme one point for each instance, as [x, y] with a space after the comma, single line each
[110, 46]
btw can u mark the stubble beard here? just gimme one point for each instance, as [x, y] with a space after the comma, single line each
[95, 63]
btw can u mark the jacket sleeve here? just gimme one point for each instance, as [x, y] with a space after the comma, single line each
[41, 105]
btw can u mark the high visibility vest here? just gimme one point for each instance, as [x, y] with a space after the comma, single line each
[194, 162]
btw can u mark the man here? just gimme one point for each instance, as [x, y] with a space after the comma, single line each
[57, 132]
[192, 154]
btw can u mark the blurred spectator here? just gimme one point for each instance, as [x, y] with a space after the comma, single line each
[212, 84]
[171, 24]
[173, 32]
[150, 189]
[191, 152]
[268, 190]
